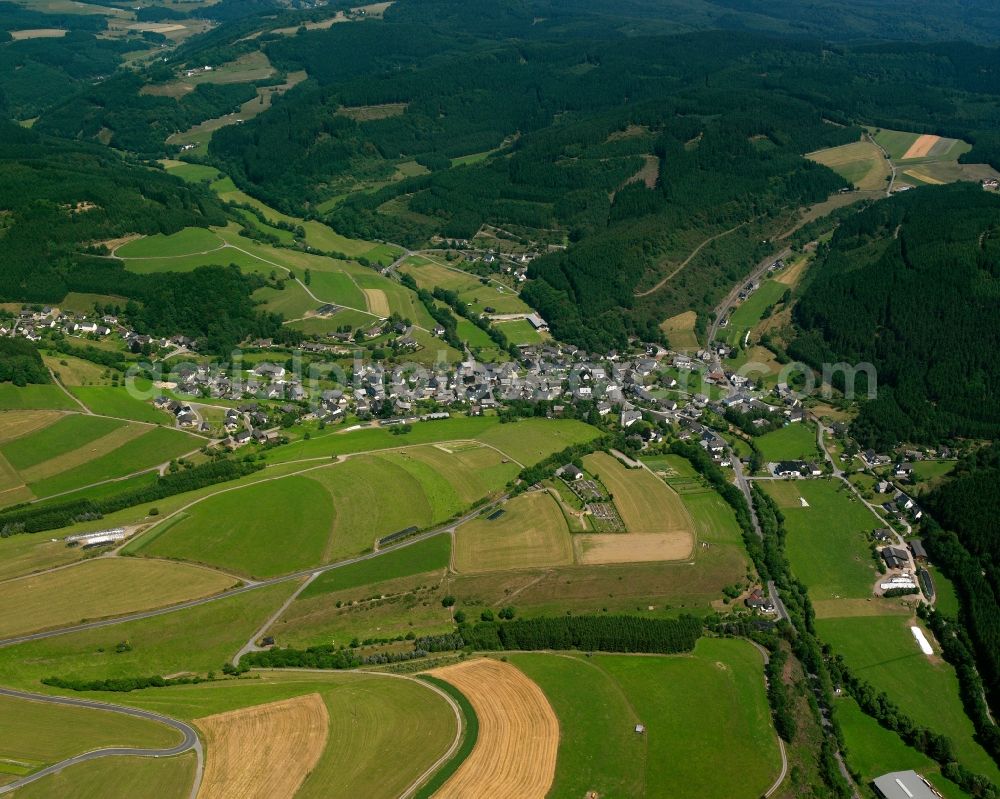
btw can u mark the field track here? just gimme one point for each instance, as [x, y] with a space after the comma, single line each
[263, 751]
[515, 754]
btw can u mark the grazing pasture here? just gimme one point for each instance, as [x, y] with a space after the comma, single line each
[24, 554]
[429, 555]
[520, 331]
[112, 401]
[882, 651]
[532, 532]
[196, 639]
[873, 750]
[47, 396]
[345, 442]
[749, 314]
[515, 754]
[860, 163]
[265, 751]
[100, 588]
[796, 441]
[529, 441]
[154, 445]
[39, 436]
[827, 541]
[134, 777]
[719, 749]
[189, 241]
[262, 530]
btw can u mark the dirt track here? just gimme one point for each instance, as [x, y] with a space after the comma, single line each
[263, 752]
[515, 754]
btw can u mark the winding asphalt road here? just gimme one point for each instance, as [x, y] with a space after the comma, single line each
[189, 743]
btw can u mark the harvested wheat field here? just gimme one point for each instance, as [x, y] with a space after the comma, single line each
[378, 303]
[265, 751]
[602, 548]
[515, 753]
[922, 147]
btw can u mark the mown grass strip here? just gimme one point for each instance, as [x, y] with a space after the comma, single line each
[470, 735]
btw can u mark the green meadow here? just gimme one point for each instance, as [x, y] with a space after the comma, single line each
[882, 651]
[718, 749]
[827, 541]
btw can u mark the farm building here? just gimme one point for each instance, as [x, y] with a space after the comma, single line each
[903, 785]
[895, 558]
[917, 548]
[537, 322]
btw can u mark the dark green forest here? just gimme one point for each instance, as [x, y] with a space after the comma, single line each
[61, 199]
[964, 539]
[910, 285]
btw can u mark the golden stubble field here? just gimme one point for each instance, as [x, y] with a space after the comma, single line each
[263, 752]
[515, 754]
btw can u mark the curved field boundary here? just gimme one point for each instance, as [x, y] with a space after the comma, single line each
[189, 742]
[470, 734]
[264, 751]
[515, 754]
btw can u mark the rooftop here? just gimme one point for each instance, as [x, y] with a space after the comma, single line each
[903, 785]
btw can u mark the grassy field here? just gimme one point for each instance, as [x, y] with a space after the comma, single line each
[792, 442]
[827, 541]
[895, 142]
[48, 396]
[873, 750]
[724, 748]
[531, 533]
[34, 734]
[188, 241]
[431, 273]
[746, 317]
[344, 442]
[334, 512]
[361, 489]
[150, 448]
[135, 777]
[645, 502]
[472, 470]
[100, 588]
[530, 440]
[520, 331]
[680, 330]
[24, 554]
[860, 163]
[432, 554]
[197, 639]
[63, 435]
[110, 401]
[882, 651]
[230, 530]
[370, 715]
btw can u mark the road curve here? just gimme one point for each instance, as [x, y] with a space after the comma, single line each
[190, 741]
